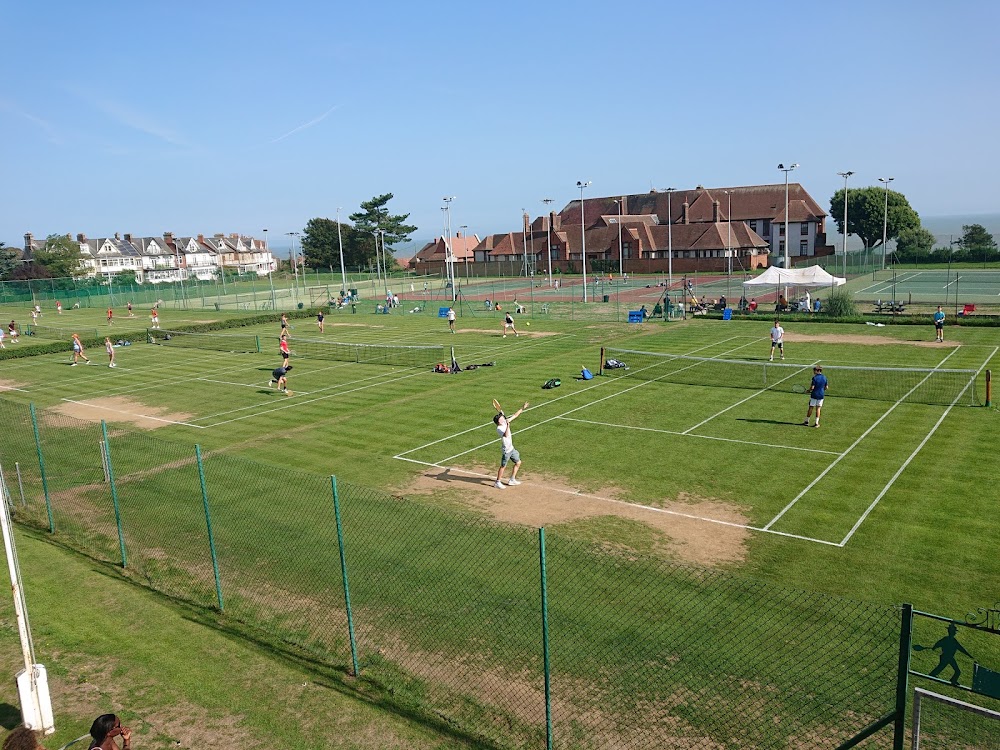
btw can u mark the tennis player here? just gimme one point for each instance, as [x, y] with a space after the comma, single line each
[154, 318]
[13, 332]
[284, 324]
[280, 378]
[508, 451]
[111, 315]
[939, 325]
[508, 322]
[451, 319]
[283, 346]
[2, 335]
[110, 349]
[78, 350]
[817, 390]
[319, 321]
[777, 340]
[130, 313]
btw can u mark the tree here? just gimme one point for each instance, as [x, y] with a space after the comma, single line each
[321, 245]
[914, 245]
[976, 244]
[60, 257]
[10, 259]
[374, 215]
[866, 214]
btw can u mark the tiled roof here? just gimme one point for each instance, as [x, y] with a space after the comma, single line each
[462, 248]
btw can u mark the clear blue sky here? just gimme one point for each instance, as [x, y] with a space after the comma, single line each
[217, 116]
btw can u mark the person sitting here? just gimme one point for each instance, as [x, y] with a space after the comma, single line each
[752, 307]
[723, 303]
[782, 304]
[816, 305]
[657, 311]
[742, 304]
[803, 305]
[644, 311]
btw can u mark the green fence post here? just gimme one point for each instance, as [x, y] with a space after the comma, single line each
[903, 675]
[41, 468]
[114, 492]
[343, 572]
[545, 640]
[257, 339]
[208, 524]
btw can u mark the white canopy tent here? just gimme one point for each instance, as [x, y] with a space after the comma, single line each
[811, 277]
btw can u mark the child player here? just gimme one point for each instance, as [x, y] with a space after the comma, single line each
[110, 349]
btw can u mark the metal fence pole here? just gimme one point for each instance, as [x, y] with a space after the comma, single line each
[20, 484]
[343, 571]
[41, 468]
[114, 492]
[545, 640]
[902, 675]
[208, 524]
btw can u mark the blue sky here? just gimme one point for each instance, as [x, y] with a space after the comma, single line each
[231, 117]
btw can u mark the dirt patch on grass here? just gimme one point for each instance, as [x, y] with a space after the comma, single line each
[11, 385]
[522, 333]
[857, 338]
[115, 409]
[688, 526]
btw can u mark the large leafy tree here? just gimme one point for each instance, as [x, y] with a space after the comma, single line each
[321, 245]
[373, 216]
[866, 213]
[914, 244]
[60, 257]
[9, 260]
[976, 244]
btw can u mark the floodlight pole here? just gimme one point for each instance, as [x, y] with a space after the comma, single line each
[845, 175]
[621, 247]
[524, 239]
[786, 170]
[583, 236]
[340, 242]
[670, 241]
[449, 258]
[548, 235]
[885, 216]
[465, 245]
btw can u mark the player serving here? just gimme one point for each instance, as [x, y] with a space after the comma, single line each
[817, 390]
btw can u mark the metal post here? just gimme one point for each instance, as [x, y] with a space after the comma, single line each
[885, 218]
[340, 243]
[114, 492]
[989, 399]
[902, 675]
[208, 524]
[20, 484]
[545, 640]
[621, 245]
[583, 236]
[786, 170]
[670, 241]
[845, 175]
[548, 235]
[343, 571]
[41, 468]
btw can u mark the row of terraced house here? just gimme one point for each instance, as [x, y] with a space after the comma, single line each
[168, 258]
[708, 229]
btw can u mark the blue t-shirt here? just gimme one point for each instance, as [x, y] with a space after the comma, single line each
[819, 383]
[939, 317]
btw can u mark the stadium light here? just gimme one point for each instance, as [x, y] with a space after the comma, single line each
[885, 218]
[670, 240]
[845, 175]
[548, 234]
[340, 242]
[449, 257]
[465, 248]
[729, 239]
[524, 239]
[583, 236]
[786, 170]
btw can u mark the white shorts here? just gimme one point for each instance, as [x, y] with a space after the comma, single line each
[815, 402]
[507, 325]
[512, 456]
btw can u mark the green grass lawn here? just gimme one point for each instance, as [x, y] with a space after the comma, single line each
[889, 501]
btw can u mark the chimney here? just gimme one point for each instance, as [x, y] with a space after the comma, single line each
[684, 212]
[81, 238]
[201, 238]
[28, 238]
[128, 237]
[117, 236]
[217, 235]
[715, 212]
[168, 236]
[555, 221]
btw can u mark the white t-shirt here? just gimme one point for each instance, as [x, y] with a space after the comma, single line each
[776, 334]
[506, 439]
[451, 315]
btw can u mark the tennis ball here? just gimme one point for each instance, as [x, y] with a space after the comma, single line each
[527, 322]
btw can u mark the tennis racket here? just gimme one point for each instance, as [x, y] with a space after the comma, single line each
[799, 388]
[496, 405]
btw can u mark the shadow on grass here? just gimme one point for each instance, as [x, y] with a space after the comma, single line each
[793, 423]
[10, 716]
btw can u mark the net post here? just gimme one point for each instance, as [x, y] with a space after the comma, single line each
[208, 524]
[600, 366]
[41, 468]
[902, 675]
[114, 493]
[989, 387]
[256, 340]
[545, 639]
[343, 572]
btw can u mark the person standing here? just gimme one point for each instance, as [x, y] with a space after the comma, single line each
[319, 321]
[279, 377]
[777, 340]
[59, 307]
[939, 325]
[508, 322]
[130, 313]
[13, 332]
[283, 347]
[78, 350]
[104, 730]
[154, 318]
[451, 319]
[111, 315]
[2, 335]
[817, 390]
[508, 451]
[284, 324]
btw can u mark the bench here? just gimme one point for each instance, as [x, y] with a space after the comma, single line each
[890, 307]
[967, 310]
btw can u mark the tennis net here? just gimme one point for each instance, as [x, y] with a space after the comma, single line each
[911, 384]
[216, 342]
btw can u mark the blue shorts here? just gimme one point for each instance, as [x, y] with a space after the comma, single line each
[512, 456]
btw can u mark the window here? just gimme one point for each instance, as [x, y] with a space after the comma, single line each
[804, 228]
[781, 247]
[753, 225]
[781, 230]
[627, 249]
[804, 247]
[767, 228]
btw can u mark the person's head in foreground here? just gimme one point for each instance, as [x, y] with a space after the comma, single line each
[22, 738]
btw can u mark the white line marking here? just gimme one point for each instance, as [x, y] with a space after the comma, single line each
[913, 455]
[12, 388]
[701, 437]
[753, 395]
[133, 414]
[853, 445]
[650, 508]
[953, 281]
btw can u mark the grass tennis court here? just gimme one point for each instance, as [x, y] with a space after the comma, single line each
[694, 457]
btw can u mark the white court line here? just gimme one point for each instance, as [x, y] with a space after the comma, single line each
[603, 398]
[913, 455]
[855, 444]
[12, 388]
[752, 395]
[650, 508]
[133, 414]
[701, 437]
[547, 403]
[953, 281]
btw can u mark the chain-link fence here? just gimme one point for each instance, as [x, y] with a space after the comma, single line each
[511, 638]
